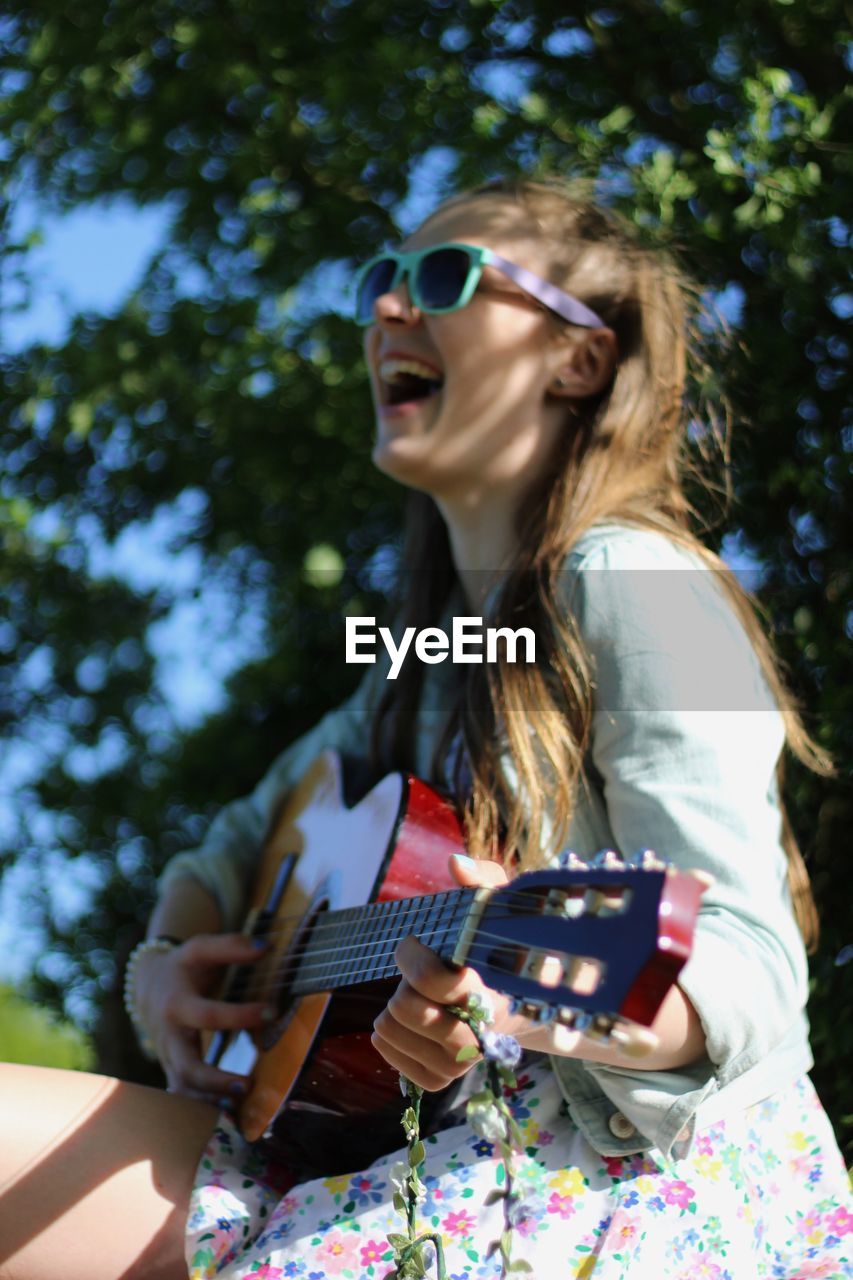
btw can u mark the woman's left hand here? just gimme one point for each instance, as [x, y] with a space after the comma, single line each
[414, 1033]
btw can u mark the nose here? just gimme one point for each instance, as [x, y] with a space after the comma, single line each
[395, 307]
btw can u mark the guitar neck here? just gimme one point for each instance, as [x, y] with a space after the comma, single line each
[357, 944]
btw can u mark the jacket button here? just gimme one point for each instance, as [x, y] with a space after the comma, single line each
[620, 1126]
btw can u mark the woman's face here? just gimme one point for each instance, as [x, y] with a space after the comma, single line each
[493, 423]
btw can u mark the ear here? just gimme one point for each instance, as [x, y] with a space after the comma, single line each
[586, 365]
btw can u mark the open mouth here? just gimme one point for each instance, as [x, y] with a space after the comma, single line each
[407, 381]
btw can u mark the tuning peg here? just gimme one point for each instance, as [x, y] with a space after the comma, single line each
[599, 1027]
[646, 860]
[538, 1012]
[608, 859]
[570, 861]
[566, 1015]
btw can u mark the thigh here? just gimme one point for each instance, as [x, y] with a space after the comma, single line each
[95, 1176]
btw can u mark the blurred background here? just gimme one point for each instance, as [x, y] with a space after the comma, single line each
[186, 499]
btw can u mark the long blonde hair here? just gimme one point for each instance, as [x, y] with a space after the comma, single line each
[627, 458]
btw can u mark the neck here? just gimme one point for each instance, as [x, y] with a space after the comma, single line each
[483, 544]
[357, 944]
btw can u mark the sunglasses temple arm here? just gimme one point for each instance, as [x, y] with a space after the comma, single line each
[558, 300]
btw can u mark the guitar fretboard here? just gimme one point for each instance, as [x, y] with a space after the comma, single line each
[357, 944]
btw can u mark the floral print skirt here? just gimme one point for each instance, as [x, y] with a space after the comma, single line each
[763, 1195]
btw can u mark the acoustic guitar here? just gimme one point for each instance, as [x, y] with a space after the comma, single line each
[339, 886]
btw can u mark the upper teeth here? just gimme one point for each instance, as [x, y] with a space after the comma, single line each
[392, 368]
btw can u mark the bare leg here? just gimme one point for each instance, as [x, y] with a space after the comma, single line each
[95, 1176]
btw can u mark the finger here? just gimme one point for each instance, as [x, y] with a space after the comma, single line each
[186, 1072]
[431, 977]
[477, 872]
[408, 1017]
[224, 1101]
[435, 1056]
[221, 948]
[412, 1068]
[221, 1015]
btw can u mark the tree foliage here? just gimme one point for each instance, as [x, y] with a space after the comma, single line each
[228, 391]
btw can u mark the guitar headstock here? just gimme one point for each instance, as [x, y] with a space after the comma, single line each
[587, 944]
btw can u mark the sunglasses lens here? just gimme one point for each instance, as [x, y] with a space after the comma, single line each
[441, 278]
[376, 282]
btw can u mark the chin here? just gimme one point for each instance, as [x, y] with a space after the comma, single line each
[402, 459]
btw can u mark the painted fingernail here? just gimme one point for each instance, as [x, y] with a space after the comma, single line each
[268, 1014]
[464, 859]
[260, 944]
[237, 1086]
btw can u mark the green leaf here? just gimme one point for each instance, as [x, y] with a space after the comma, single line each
[778, 79]
[467, 1053]
[81, 418]
[617, 120]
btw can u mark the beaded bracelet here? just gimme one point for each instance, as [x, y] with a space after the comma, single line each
[164, 943]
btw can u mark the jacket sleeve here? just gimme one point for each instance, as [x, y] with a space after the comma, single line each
[686, 736]
[225, 862]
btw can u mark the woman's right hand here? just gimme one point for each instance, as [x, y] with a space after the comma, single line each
[174, 1004]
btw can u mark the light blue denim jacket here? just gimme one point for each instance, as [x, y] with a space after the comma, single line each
[684, 747]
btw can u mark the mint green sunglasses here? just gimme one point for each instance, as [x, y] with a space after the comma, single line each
[444, 277]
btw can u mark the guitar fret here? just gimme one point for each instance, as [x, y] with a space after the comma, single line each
[399, 927]
[363, 944]
[419, 923]
[461, 907]
[332, 935]
[354, 927]
[342, 944]
[382, 931]
[357, 944]
[386, 936]
[427, 913]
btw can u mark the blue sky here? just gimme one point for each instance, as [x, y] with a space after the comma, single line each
[90, 259]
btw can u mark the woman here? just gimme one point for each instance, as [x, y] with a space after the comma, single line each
[532, 398]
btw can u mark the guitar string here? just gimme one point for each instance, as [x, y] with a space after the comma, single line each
[385, 910]
[394, 920]
[298, 970]
[559, 994]
[556, 990]
[373, 948]
[324, 955]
